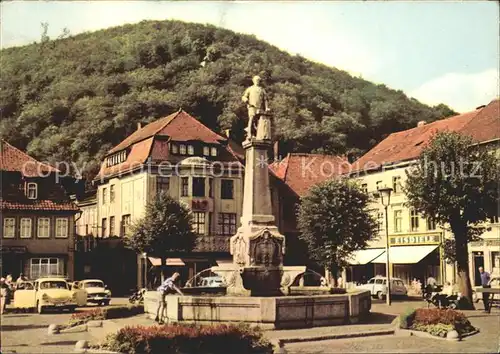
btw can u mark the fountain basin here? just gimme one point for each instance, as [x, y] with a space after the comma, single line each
[262, 281]
[274, 312]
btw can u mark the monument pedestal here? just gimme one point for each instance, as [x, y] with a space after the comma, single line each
[258, 246]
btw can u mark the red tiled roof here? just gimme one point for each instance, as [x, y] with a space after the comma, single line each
[481, 124]
[180, 126]
[38, 205]
[14, 160]
[302, 171]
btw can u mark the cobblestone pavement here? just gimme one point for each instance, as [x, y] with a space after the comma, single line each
[27, 332]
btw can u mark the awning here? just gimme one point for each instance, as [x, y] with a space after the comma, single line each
[365, 256]
[170, 261]
[406, 254]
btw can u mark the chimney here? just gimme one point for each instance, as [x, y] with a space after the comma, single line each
[421, 123]
[139, 125]
[227, 132]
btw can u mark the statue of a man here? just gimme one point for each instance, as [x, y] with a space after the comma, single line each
[256, 99]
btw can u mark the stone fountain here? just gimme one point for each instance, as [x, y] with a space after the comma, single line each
[257, 281]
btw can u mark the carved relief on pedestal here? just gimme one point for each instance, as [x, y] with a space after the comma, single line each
[238, 250]
[266, 249]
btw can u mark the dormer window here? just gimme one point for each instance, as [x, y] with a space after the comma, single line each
[182, 149]
[206, 151]
[190, 150]
[31, 190]
[175, 149]
[117, 158]
[213, 151]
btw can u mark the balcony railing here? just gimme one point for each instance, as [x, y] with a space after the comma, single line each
[212, 243]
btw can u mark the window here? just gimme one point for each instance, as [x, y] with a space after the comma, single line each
[210, 223]
[61, 227]
[40, 267]
[380, 221]
[198, 187]
[199, 223]
[182, 149]
[398, 221]
[213, 151]
[190, 150]
[111, 226]
[227, 189]
[43, 228]
[431, 224]
[31, 190]
[25, 228]
[125, 224]
[117, 158]
[9, 227]
[104, 195]
[371, 281]
[206, 151]
[379, 281]
[378, 185]
[162, 185]
[495, 259]
[227, 224]
[104, 226]
[364, 188]
[184, 186]
[413, 220]
[211, 187]
[112, 193]
[175, 149]
[396, 184]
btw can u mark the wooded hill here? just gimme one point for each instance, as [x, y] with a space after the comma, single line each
[72, 99]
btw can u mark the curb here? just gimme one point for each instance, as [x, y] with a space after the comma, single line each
[338, 336]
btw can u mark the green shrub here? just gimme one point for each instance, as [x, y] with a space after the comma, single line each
[83, 317]
[438, 330]
[406, 318]
[79, 318]
[189, 339]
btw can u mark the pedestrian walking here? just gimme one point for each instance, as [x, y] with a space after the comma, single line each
[167, 287]
[485, 283]
[3, 295]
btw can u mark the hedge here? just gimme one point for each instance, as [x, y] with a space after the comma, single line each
[104, 314]
[436, 321]
[188, 339]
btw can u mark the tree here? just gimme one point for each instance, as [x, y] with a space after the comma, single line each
[334, 221]
[455, 182]
[165, 229]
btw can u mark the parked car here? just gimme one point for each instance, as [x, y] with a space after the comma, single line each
[378, 287]
[494, 298]
[50, 292]
[212, 282]
[97, 292]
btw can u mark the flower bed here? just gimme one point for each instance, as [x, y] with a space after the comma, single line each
[437, 322]
[83, 317]
[188, 339]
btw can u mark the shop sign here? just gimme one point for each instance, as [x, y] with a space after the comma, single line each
[199, 205]
[13, 249]
[415, 239]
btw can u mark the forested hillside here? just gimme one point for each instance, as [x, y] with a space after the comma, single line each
[72, 99]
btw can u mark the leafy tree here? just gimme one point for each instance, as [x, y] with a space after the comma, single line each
[92, 88]
[164, 230]
[334, 221]
[456, 182]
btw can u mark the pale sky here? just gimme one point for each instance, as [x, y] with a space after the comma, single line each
[439, 51]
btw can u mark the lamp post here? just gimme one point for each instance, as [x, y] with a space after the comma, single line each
[385, 199]
[145, 262]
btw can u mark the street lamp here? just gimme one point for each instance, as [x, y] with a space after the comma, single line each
[385, 198]
[145, 257]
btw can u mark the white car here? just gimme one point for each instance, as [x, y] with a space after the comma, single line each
[97, 292]
[212, 282]
[378, 287]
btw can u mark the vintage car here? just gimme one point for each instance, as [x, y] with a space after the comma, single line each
[49, 293]
[97, 292]
[378, 287]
